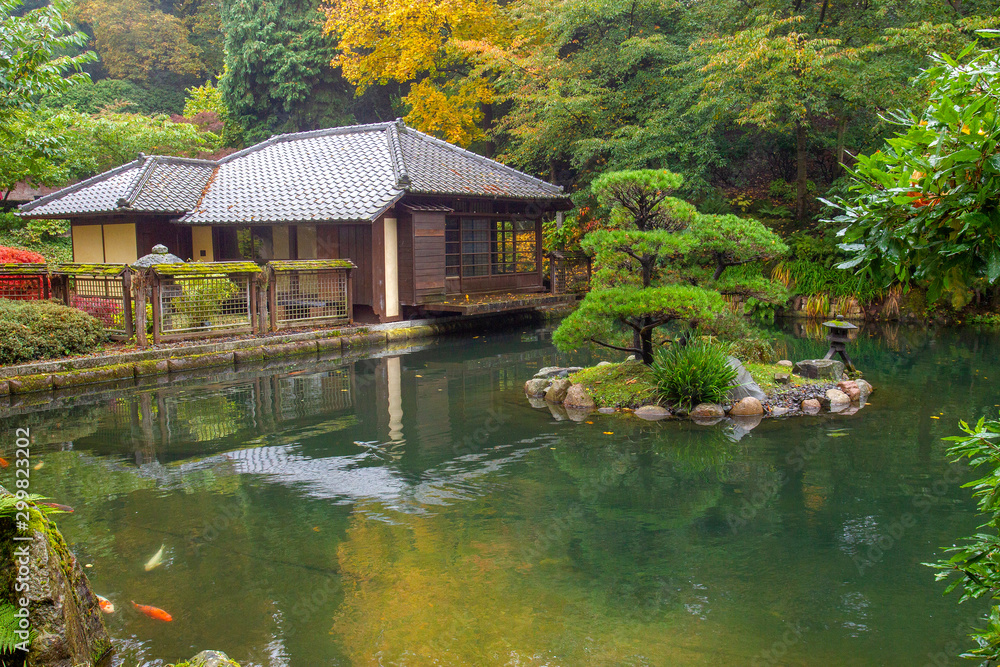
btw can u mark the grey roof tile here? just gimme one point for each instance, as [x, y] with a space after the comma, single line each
[155, 184]
[346, 174]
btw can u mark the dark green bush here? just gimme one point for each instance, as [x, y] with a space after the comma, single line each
[31, 330]
[694, 373]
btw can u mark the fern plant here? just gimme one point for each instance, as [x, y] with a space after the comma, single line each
[8, 626]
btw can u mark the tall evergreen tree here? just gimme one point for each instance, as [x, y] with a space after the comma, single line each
[278, 76]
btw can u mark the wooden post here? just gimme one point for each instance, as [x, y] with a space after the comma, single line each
[139, 302]
[128, 315]
[272, 299]
[253, 289]
[349, 297]
[154, 296]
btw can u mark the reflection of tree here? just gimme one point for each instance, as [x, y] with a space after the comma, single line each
[423, 590]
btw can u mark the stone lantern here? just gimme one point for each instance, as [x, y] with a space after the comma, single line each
[840, 330]
[160, 255]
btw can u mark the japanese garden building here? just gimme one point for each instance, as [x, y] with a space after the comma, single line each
[421, 219]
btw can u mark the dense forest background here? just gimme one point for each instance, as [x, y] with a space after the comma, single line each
[750, 101]
[756, 103]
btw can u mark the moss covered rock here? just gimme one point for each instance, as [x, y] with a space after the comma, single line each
[62, 609]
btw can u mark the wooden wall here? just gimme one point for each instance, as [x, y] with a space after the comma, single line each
[123, 243]
[353, 242]
[428, 256]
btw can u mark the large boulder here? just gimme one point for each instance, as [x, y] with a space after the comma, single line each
[748, 407]
[63, 610]
[851, 388]
[811, 406]
[579, 398]
[536, 386]
[745, 384]
[556, 393]
[785, 363]
[866, 390]
[212, 659]
[817, 369]
[838, 399]
[707, 411]
[652, 412]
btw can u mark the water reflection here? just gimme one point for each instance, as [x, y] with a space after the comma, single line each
[413, 508]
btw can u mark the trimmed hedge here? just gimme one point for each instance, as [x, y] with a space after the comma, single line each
[32, 330]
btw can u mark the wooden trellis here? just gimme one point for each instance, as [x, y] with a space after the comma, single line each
[101, 290]
[309, 292]
[203, 299]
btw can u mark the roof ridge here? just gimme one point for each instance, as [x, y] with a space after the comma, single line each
[479, 158]
[147, 165]
[310, 134]
[396, 155]
[70, 189]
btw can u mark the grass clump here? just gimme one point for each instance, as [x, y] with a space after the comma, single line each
[31, 330]
[698, 372]
[626, 385]
[763, 375]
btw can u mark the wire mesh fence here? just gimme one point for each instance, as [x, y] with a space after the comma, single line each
[24, 282]
[203, 299]
[303, 292]
[101, 290]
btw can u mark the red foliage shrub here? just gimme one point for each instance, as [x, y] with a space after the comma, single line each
[18, 256]
[21, 287]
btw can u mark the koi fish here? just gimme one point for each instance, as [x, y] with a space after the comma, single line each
[153, 612]
[156, 560]
[4, 462]
[38, 466]
[105, 604]
[57, 506]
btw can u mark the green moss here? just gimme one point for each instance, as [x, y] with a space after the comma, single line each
[763, 375]
[310, 264]
[205, 268]
[91, 269]
[625, 385]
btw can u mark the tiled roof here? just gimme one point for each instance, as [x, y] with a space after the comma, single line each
[346, 174]
[342, 174]
[155, 184]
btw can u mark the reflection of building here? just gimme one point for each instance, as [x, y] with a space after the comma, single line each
[337, 429]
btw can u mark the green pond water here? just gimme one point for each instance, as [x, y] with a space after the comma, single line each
[414, 509]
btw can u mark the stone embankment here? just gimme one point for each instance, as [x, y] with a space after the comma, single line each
[555, 388]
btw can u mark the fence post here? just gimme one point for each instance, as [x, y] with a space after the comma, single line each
[349, 297]
[127, 313]
[139, 285]
[272, 298]
[154, 296]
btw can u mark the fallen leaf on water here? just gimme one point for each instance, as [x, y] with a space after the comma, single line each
[609, 433]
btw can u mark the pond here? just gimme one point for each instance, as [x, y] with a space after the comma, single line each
[413, 509]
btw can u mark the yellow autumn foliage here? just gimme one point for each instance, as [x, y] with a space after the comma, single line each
[423, 42]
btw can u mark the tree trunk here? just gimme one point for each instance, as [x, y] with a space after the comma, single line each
[801, 177]
[647, 347]
[841, 138]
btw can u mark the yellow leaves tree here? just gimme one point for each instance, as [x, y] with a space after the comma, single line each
[426, 43]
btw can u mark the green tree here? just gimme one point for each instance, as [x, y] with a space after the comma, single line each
[278, 76]
[135, 39]
[663, 266]
[926, 208]
[31, 55]
[975, 565]
[774, 78]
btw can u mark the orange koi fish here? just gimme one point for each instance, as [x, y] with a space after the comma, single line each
[153, 612]
[4, 462]
[105, 604]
